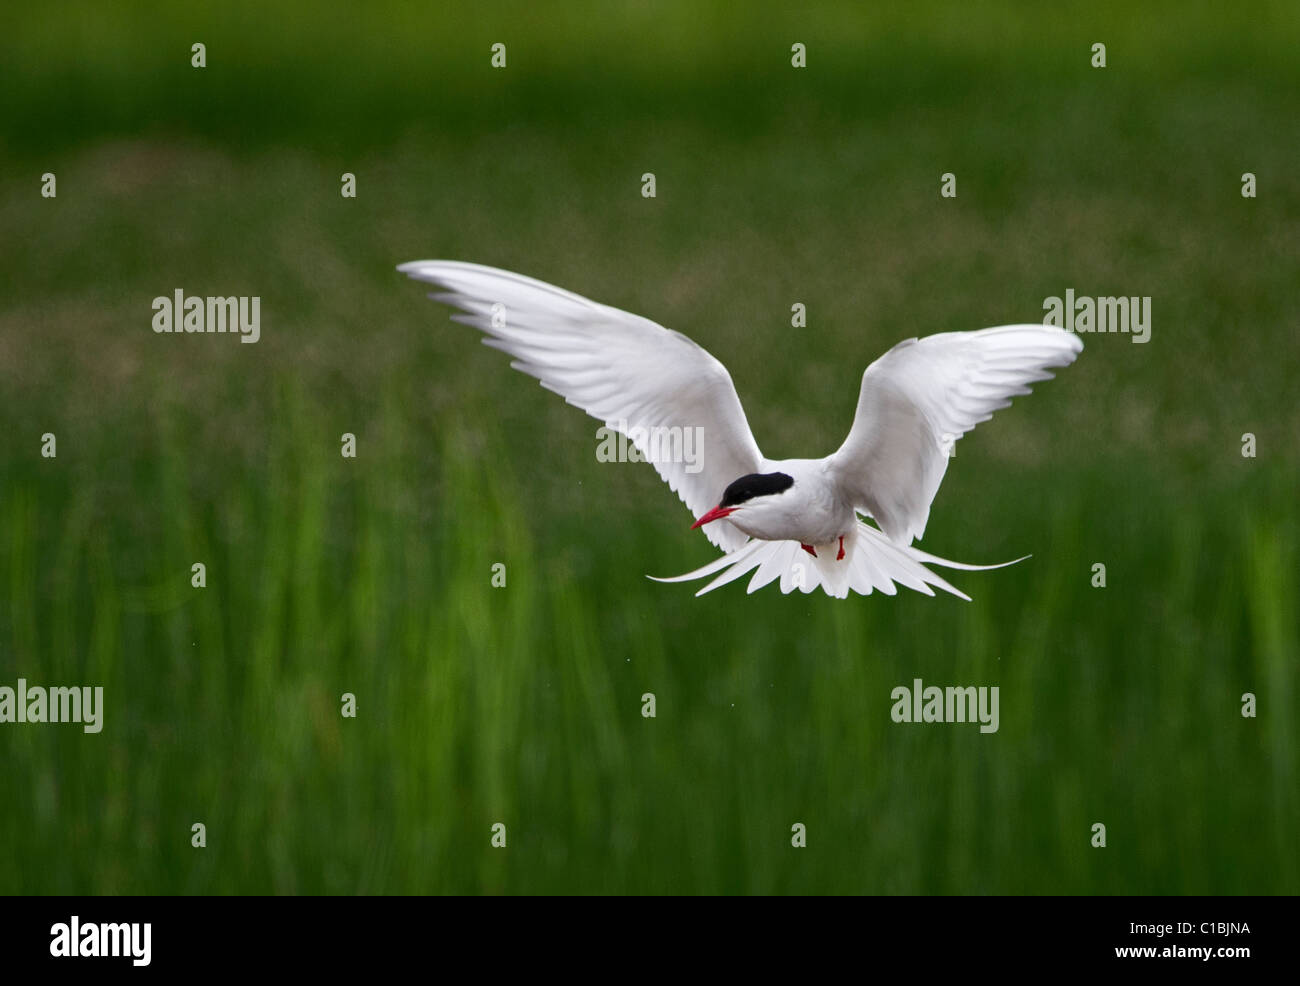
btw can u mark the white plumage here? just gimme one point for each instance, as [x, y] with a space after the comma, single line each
[796, 520]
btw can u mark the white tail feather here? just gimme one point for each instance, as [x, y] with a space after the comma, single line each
[871, 561]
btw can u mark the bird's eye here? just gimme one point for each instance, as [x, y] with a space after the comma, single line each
[756, 484]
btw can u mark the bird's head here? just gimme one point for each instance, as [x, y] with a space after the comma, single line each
[746, 493]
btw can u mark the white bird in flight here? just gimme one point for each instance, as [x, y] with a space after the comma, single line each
[796, 520]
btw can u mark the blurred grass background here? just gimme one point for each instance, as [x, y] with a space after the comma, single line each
[522, 705]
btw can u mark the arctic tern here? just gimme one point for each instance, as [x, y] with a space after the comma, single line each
[799, 521]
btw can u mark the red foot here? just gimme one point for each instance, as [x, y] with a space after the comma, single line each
[840, 556]
[809, 548]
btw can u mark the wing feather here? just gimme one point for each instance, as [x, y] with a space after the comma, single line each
[923, 395]
[624, 370]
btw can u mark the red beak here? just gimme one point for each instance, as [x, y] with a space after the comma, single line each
[717, 513]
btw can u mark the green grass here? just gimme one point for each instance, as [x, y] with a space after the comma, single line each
[522, 704]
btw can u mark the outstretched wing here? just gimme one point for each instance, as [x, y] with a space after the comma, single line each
[667, 394]
[922, 396]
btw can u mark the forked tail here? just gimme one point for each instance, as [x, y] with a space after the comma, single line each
[871, 561]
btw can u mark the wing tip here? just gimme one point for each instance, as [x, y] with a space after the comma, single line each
[410, 266]
[429, 270]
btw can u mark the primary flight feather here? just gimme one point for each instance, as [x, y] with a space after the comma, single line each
[796, 520]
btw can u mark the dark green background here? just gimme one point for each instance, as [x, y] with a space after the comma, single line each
[522, 705]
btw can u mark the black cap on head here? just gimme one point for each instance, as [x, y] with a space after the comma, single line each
[755, 484]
